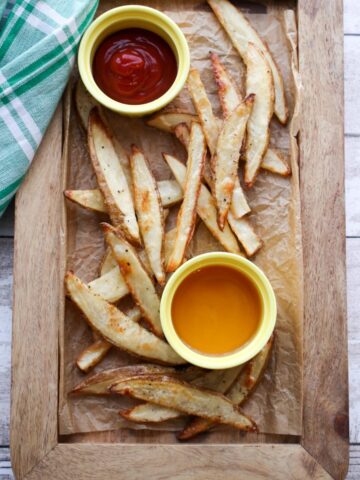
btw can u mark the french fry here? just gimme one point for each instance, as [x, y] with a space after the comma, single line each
[168, 121]
[242, 33]
[229, 96]
[206, 207]
[186, 218]
[204, 110]
[260, 82]
[211, 129]
[108, 262]
[275, 161]
[238, 393]
[89, 199]
[246, 234]
[226, 158]
[172, 393]
[149, 212]
[94, 353]
[111, 178]
[182, 133]
[99, 383]
[217, 380]
[116, 327]
[136, 278]
[111, 286]
[169, 190]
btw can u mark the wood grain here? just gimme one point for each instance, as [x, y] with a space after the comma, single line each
[323, 217]
[34, 419]
[210, 462]
[35, 328]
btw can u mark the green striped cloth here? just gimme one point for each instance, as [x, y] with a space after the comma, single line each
[38, 43]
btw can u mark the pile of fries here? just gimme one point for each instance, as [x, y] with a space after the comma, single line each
[142, 253]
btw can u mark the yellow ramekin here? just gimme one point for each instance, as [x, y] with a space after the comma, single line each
[250, 348]
[133, 16]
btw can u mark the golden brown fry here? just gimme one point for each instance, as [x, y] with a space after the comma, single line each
[136, 278]
[239, 392]
[170, 194]
[216, 380]
[107, 263]
[182, 132]
[260, 82]
[94, 353]
[89, 199]
[204, 110]
[186, 218]
[99, 383]
[111, 178]
[111, 286]
[273, 160]
[167, 121]
[149, 212]
[172, 393]
[246, 234]
[206, 208]
[242, 33]
[116, 327]
[226, 159]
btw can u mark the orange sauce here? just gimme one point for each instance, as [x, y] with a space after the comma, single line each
[216, 309]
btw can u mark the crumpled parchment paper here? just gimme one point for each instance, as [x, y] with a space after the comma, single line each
[275, 203]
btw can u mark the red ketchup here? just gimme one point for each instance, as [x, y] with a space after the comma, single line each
[134, 66]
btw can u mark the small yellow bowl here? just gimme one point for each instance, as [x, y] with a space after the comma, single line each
[250, 348]
[133, 16]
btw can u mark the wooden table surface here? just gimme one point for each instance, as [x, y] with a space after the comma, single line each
[352, 159]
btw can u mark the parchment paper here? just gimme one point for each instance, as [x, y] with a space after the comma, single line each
[275, 204]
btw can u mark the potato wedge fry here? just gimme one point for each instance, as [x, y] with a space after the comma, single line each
[107, 263]
[241, 33]
[84, 103]
[149, 212]
[226, 159]
[275, 161]
[116, 327]
[136, 278]
[182, 133]
[111, 286]
[167, 121]
[206, 208]
[94, 353]
[172, 393]
[111, 178]
[186, 218]
[217, 380]
[229, 96]
[204, 109]
[260, 82]
[99, 383]
[239, 392]
[170, 194]
[210, 125]
[246, 234]
[89, 199]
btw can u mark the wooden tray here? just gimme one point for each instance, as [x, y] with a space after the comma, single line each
[37, 451]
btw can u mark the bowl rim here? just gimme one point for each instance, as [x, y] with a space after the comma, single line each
[250, 348]
[154, 16]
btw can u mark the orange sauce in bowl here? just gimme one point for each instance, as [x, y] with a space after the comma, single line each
[216, 310]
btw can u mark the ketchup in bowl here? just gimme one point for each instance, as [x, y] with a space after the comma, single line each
[134, 66]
